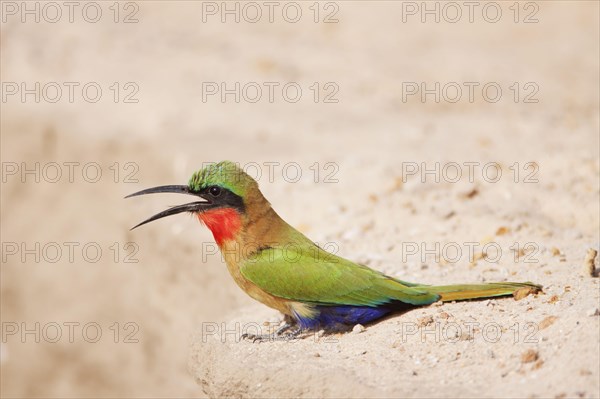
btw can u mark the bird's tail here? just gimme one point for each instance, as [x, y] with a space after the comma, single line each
[461, 292]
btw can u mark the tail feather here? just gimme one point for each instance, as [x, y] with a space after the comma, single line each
[461, 292]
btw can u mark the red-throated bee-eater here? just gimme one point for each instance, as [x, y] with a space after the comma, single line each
[280, 267]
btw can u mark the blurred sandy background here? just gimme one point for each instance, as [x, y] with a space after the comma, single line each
[367, 56]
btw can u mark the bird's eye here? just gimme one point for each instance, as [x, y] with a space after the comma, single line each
[215, 191]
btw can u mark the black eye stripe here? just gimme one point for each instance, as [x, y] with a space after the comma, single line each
[224, 197]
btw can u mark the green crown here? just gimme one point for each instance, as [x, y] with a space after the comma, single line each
[225, 174]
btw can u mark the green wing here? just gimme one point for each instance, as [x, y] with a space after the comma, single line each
[310, 274]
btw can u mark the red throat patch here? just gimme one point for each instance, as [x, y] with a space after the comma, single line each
[224, 223]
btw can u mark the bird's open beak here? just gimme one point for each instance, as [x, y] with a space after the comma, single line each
[197, 206]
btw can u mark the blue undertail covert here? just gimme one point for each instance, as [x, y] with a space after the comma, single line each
[331, 317]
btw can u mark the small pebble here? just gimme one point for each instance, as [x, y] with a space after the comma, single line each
[357, 329]
[593, 312]
[589, 263]
[529, 356]
[502, 230]
[548, 321]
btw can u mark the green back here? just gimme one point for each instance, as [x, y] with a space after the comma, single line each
[306, 273]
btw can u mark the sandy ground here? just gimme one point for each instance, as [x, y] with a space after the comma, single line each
[139, 314]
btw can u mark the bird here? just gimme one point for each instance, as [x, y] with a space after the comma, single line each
[280, 267]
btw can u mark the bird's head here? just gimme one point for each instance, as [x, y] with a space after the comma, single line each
[224, 191]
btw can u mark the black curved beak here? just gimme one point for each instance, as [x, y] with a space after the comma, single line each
[197, 206]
